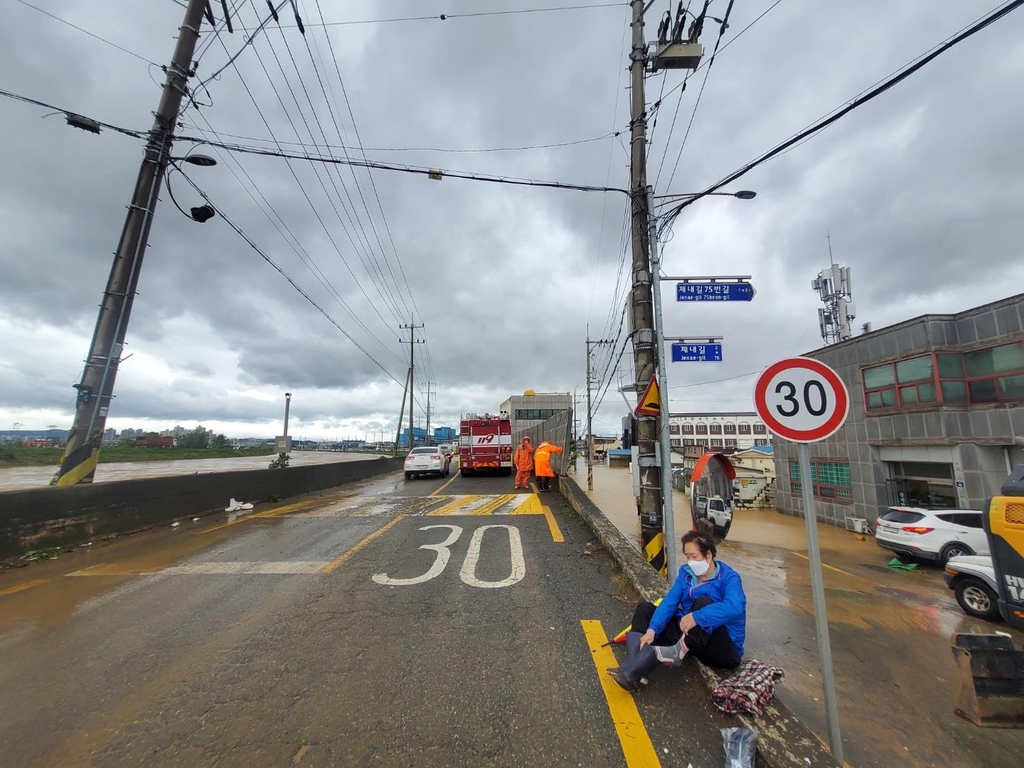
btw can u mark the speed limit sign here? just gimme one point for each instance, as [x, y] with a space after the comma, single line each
[801, 399]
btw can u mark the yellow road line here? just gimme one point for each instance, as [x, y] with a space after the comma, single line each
[22, 587]
[451, 506]
[354, 549]
[830, 567]
[636, 743]
[533, 506]
[276, 512]
[492, 505]
[434, 493]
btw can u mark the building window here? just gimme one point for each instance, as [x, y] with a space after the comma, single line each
[687, 429]
[673, 429]
[716, 443]
[730, 429]
[760, 441]
[535, 414]
[675, 442]
[760, 429]
[702, 429]
[744, 429]
[688, 441]
[995, 374]
[716, 429]
[730, 443]
[831, 480]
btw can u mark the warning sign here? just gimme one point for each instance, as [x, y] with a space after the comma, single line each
[650, 403]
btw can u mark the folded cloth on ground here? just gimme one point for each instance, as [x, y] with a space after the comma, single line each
[750, 689]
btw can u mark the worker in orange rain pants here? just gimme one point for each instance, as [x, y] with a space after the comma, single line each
[523, 459]
[542, 462]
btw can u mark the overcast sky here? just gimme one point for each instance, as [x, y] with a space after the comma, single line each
[921, 190]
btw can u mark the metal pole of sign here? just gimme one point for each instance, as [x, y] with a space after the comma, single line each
[828, 682]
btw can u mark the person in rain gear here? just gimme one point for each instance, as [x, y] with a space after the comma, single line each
[523, 460]
[542, 464]
[703, 614]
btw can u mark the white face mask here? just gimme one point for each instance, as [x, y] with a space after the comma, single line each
[699, 567]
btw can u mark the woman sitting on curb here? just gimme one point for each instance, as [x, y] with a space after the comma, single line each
[704, 614]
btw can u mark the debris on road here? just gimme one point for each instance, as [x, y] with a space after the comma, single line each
[897, 563]
[236, 506]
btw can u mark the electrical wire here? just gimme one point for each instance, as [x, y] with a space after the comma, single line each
[69, 113]
[238, 230]
[87, 32]
[820, 125]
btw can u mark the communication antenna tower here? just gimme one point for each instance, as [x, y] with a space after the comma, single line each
[834, 287]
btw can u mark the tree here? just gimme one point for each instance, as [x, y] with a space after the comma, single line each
[194, 438]
[219, 441]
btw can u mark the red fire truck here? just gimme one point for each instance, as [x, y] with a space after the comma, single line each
[485, 442]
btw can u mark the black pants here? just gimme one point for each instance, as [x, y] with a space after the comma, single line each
[543, 483]
[714, 649]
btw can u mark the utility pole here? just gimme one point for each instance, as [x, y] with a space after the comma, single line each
[426, 438]
[411, 327]
[590, 415]
[401, 413]
[652, 539]
[95, 391]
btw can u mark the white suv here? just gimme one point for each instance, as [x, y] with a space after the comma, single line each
[931, 534]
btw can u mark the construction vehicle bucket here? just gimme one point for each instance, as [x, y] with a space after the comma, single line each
[991, 680]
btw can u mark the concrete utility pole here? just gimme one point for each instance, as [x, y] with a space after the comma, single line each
[641, 301]
[412, 367]
[590, 416]
[401, 413]
[426, 438]
[81, 455]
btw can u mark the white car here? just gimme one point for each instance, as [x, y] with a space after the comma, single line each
[719, 512]
[931, 534]
[423, 461]
[973, 579]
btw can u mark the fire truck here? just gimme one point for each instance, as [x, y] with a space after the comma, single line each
[485, 442]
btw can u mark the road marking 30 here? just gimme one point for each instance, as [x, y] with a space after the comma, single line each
[468, 571]
[633, 737]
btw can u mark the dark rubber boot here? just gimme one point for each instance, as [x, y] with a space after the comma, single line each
[639, 663]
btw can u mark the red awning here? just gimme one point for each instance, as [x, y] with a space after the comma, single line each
[702, 462]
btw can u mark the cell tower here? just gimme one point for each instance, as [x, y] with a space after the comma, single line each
[834, 287]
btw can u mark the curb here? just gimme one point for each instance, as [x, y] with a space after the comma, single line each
[783, 741]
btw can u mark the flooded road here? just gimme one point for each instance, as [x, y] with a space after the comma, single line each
[18, 478]
[891, 632]
[433, 622]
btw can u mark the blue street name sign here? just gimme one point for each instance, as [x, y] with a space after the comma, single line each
[714, 292]
[696, 353]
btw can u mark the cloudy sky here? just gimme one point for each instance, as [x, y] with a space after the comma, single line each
[921, 190]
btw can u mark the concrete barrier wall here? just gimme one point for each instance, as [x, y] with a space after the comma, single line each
[49, 517]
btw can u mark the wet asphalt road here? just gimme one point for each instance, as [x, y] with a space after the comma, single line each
[350, 627]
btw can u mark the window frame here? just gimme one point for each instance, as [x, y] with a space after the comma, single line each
[834, 493]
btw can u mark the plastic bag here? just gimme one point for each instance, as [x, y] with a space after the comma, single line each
[740, 747]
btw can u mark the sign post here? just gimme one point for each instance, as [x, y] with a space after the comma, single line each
[803, 400]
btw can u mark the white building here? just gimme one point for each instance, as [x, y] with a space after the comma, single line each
[715, 431]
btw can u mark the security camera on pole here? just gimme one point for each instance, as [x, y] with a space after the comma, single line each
[803, 400]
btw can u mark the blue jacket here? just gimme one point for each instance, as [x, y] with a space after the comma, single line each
[729, 610]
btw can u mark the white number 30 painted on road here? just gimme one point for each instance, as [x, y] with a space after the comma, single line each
[468, 572]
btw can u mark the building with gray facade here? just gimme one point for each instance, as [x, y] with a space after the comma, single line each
[935, 403]
[533, 409]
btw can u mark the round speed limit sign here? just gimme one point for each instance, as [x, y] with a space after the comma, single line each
[801, 399]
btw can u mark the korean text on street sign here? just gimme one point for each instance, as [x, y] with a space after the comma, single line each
[801, 399]
[696, 353]
[741, 291]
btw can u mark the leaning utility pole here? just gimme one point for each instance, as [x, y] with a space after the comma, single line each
[401, 413]
[652, 539]
[590, 416]
[412, 367]
[95, 391]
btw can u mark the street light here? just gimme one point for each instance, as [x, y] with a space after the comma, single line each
[204, 161]
[743, 194]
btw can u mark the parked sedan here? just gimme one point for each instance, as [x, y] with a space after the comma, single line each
[423, 461]
[931, 534]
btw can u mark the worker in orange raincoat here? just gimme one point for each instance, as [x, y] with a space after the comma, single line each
[523, 459]
[542, 462]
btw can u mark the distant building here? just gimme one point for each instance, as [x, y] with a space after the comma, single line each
[445, 435]
[419, 436]
[935, 403]
[154, 441]
[717, 431]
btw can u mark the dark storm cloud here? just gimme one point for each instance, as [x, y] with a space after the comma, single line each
[920, 190]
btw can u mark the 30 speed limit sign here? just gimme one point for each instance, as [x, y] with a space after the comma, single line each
[801, 399]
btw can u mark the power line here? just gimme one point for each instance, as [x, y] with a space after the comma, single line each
[285, 275]
[453, 16]
[890, 82]
[87, 32]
